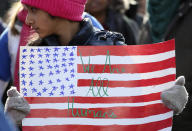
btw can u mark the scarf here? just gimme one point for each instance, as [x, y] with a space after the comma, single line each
[161, 13]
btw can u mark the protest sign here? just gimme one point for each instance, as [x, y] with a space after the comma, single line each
[97, 87]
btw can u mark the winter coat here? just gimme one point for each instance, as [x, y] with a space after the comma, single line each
[88, 35]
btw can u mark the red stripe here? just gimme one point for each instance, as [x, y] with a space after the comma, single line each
[153, 126]
[128, 68]
[119, 112]
[127, 50]
[128, 99]
[134, 83]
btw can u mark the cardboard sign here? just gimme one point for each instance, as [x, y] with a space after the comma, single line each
[97, 87]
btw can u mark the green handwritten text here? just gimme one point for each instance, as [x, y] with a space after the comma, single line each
[89, 113]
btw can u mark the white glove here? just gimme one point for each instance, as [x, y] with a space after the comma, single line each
[16, 106]
[176, 97]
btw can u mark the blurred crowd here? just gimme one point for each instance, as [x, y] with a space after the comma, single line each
[140, 22]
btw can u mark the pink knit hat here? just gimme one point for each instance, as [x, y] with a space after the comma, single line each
[68, 9]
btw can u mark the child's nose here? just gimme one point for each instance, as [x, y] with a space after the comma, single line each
[28, 20]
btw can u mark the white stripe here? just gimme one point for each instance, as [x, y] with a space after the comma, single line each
[124, 91]
[77, 105]
[127, 76]
[166, 129]
[89, 121]
[100, 59]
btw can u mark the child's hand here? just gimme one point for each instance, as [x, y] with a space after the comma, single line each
[16, 106]
[176, 97]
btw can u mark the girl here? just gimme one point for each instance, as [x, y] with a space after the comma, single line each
[60, 23]
[12, 38]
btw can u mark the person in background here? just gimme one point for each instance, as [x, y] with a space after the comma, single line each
[110, 13]
[170, 19]
[136, 11]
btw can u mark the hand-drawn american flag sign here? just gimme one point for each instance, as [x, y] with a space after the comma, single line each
[101, 88]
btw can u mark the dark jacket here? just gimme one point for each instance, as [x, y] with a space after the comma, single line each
[181, 29]
[120, 23]
[88, 35]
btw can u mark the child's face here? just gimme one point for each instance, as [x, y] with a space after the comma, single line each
[40, 21]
